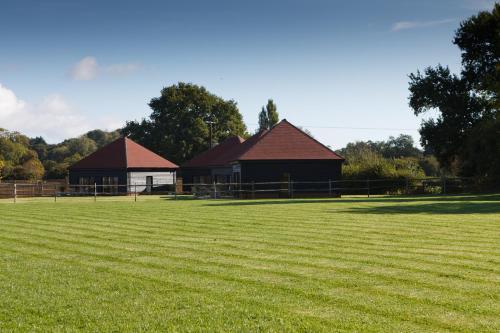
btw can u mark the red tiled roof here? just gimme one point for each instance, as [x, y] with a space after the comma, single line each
[123, 153]
[287, 142]
[282, 142]
[220, 155]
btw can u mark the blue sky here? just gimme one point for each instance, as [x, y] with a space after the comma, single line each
[338, 68]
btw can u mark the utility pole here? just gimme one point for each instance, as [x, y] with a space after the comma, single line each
[210, 122]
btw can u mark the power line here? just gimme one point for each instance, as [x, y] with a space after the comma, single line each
[358, 128]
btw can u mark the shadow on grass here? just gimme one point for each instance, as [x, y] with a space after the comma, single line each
[179, 197]
[459, 204]
[456, 207]
[387, 199]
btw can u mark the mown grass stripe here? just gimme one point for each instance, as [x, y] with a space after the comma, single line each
[346, 264]
[303, 294]
[166, 254]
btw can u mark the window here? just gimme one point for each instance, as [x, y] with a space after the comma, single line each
[149, 184]
[110, 184]
[86, 184]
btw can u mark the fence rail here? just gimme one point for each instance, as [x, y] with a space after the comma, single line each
[286, 189]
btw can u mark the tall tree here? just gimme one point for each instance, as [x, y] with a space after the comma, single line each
[465, 102]
[263, 121]
[178, 127]
[272, 113]
[268, 116]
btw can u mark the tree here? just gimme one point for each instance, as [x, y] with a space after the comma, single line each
[57, 158]
[263, 121]
[397, 147]
[19, 162]
[178, 128]
[2, 165]
[479, 40]
[32, 169]
[395, 158]
[39, 145]
[272, 113]
[102, 138]
[465, 102]
[268, 116]
[482, 152]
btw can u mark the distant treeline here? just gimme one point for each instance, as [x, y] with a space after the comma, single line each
[22, 157]
[395, 158]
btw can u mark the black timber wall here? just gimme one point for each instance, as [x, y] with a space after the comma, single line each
[299, 170]
[74, 176]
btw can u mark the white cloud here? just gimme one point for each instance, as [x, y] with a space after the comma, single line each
[88, 69]
[9, 104]
[404, 25]
[53, 118]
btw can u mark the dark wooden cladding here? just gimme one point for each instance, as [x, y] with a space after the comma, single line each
[283, 153]
[297, 171]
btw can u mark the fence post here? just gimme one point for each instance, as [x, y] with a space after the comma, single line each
[55, 193]
[175, 190]
[330, 187]
[368, 187]
[15, 192]
[444, 185]
[135, 192]
[291, 189]
[253, 189]
[407, 186]
[215, 190]
[95, 192]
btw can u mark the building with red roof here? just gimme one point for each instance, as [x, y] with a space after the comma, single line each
[282, 153]
[123, 162]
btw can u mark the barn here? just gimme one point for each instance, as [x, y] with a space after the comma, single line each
[122, 162]
[282, 153]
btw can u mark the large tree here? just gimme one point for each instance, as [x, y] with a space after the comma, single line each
[466, 102]
[479, 40]
[179, 126]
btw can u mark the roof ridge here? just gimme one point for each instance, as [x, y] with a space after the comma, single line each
[255, 147]
[126, 151]
[221, 150]
[245, 150]
[312, 138]
[111, 156]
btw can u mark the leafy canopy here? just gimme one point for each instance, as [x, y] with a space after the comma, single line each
[396, 157]
[468, 104]
[17, 160]
[178, 128]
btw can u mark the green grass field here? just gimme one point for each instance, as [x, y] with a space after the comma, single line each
[350, 264]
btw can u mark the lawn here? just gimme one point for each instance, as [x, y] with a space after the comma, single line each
[350, 264]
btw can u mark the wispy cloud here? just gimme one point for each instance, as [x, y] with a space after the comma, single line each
[405, 25]
[88, 69]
